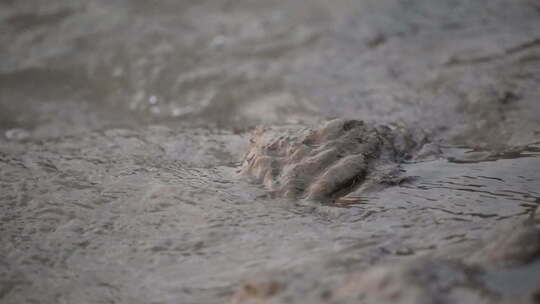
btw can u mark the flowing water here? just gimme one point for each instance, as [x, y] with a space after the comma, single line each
[124, 123]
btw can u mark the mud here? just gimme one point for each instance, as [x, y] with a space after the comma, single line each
[326, 163]
[124, 128]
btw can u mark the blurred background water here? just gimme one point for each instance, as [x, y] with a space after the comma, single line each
[234, 64]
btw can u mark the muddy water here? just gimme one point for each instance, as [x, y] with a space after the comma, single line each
[124, 124]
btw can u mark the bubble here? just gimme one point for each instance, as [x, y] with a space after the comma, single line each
[17, 134]
[218, 41]
[118, 72]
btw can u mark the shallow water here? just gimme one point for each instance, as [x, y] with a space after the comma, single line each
[124, 125]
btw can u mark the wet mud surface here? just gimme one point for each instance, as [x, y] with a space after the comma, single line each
[326, 163]
[188, 151]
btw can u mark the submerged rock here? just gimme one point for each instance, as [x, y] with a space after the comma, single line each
[256, 290]
[329, 162]
[502, 270]
[422, 281]
[511, 248]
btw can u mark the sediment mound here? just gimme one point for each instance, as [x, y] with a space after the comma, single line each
[329, 162]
